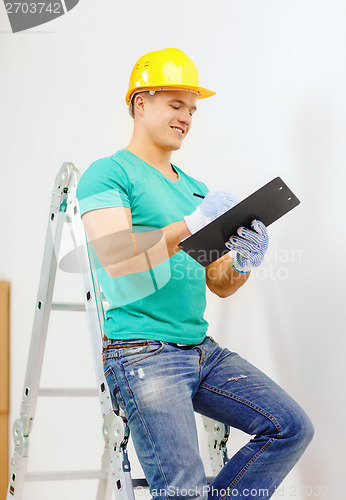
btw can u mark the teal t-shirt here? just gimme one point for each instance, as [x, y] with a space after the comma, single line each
[168, 301]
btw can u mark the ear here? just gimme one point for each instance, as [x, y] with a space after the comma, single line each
[139, 103]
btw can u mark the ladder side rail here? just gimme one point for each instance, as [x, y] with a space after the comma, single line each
[93, 303]
[43, 308]
[218, 434]
[23, 425]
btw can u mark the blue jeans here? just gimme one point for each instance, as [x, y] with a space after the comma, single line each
[160, 385]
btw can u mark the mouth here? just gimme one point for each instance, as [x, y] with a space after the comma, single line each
[179, 130]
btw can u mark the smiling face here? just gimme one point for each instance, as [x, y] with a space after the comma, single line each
[166, 117]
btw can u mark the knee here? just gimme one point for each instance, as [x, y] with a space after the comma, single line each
[299, 427]
[306, 430]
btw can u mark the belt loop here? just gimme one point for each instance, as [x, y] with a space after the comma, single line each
[104, 352]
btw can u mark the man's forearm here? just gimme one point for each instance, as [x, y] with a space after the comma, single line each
[136, 252]
[223, 279]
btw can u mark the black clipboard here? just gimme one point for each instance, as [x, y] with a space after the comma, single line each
[267, 204]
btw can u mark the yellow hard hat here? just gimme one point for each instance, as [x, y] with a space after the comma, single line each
[163, 70]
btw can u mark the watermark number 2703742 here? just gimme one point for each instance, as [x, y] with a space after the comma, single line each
[28, 14]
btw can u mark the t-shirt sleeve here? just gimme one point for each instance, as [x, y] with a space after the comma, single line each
[104, 184]
[204, 188]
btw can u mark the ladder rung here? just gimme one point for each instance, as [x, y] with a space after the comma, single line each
[65, 475]
[70, 306]
[67, 306]
[92, 474]
[63, 392]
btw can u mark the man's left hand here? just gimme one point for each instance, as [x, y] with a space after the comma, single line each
[250, 245]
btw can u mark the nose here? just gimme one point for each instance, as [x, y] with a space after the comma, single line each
[185, 116]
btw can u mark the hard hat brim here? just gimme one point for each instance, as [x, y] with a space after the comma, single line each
[201, 91]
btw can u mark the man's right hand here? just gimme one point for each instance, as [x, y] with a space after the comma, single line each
[214, 204]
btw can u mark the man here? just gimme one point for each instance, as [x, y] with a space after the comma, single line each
[159, 363]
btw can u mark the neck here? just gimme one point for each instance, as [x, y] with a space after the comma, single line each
[150, 153]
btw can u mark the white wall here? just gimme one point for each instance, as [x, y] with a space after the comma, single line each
[279, 72]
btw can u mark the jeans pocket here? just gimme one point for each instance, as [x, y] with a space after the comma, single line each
[137, 353]
[114, 348]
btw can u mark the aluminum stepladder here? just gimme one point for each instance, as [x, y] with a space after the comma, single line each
[115, 466]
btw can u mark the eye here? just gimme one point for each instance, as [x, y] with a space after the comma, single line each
[175, 107]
